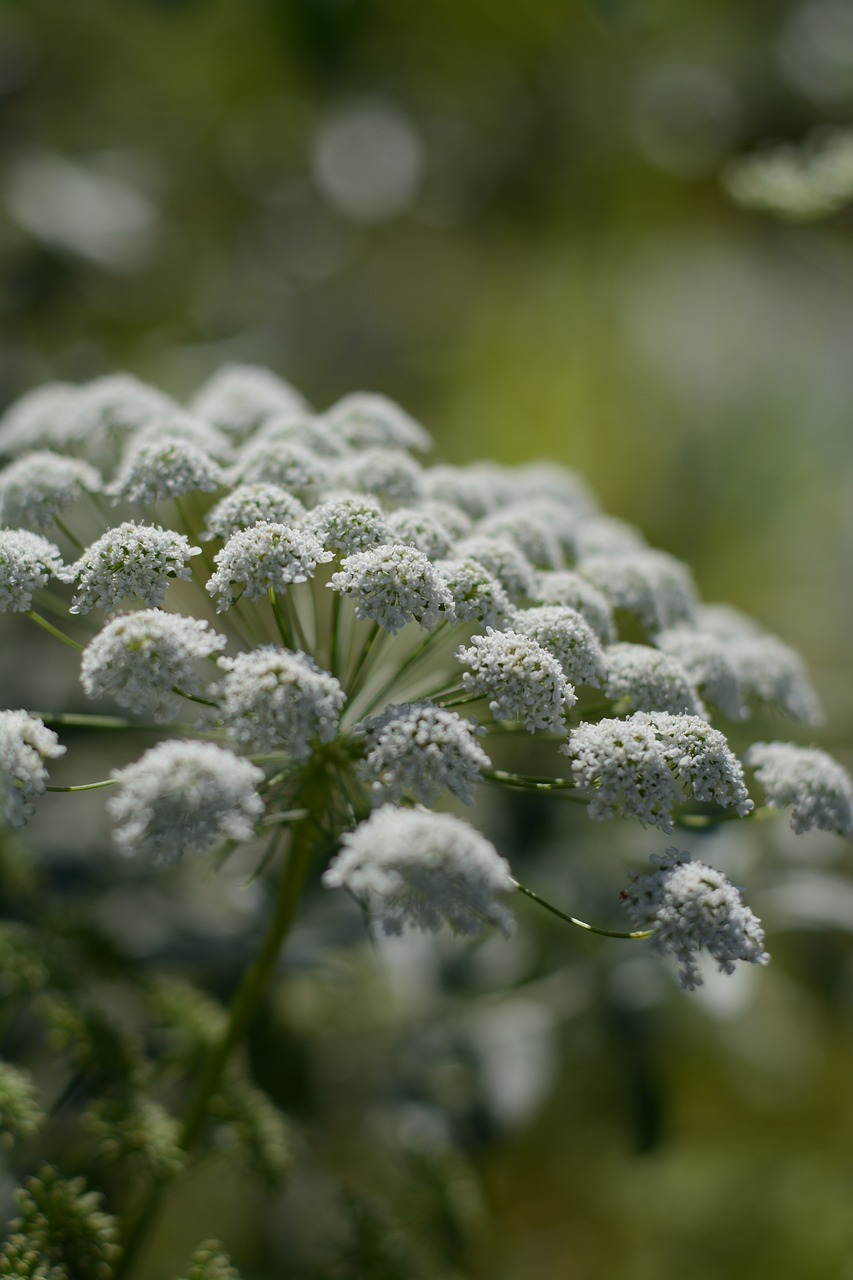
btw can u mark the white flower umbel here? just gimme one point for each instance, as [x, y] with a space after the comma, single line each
[262, 558]
[27, 561]
[39, 486]
[639, 678]
[409, 867]
[130, 562]
[654, 587]
[250, 504]
[40, 419]
[504, 559]
[116, 404]
[164, 467]
[420, 527]
[239, 397]
[285, 463]
[565, 633]
[418, 750]
[769, 672]
[277, 700]
[535, 532]
[476, 489]
[477, 594]
[25, 744]
[607, 536]
[140, 659]
[348, 522]
[705, 659]
[692, 908]
[521, 679]
[818, 789]
[393, 584]
[571, 589]
[389, 474]
[184, 797]
[364, 420]
[642, 767]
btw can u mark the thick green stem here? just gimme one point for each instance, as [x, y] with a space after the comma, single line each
[244, 1005]
[579, 924]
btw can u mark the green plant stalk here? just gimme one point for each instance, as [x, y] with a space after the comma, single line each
[579, 924]
[243, 1007]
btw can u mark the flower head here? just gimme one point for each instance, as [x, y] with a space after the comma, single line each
[141, 658]
[643, 766]
[389, 474]
[348, 522]
[262, 558]
[706, 660]
[130, 562]
[184, 797]
[654, 587]
[522, 680]
[639, 678]
[534, 531]
[27, 561]
[417, 749]
[25, 744]
[276, 700]
[691, 907]
[565, 633]
[423, 869]
[164, 466]
[366, 420]
[394, 584]
[477, 594]
[239, 397]
[504, 559]
[573, 591]
[40, 485]
[818, 789]
[250, 504]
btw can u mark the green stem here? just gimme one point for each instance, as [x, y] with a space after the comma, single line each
[413, 658]
[357, 677]
[244, 1005]
[85, 786]
[334, 628]
[72, 538]
[80, 720]
[527, 783]
[193, 697]
[579, 924]
[54, 631]
[281, 622]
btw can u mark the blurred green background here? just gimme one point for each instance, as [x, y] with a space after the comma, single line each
[509, 217]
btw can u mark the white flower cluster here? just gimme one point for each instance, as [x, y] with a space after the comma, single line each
[521, 679]
[25, 744]
[184, 797]
[130, 562]
[563, 620]
[418, 750]
[692, 908]
[265, 557]
[644, 766]
[250, 504]
[27, 561]
[146, 660]
[161, 466]
[40, 485]
[818, 789]
[275, 700]
[408, 866]
[393, 584]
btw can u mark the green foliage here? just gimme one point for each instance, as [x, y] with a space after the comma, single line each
[63, 1226]
[211, 1262]
[21, 1115]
